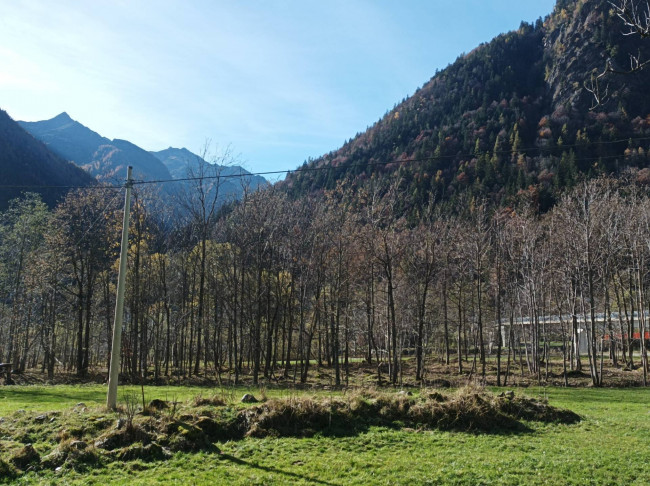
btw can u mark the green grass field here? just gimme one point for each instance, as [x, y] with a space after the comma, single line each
[611, 445]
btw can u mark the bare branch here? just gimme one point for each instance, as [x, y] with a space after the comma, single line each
[635, 16]
[594, 86]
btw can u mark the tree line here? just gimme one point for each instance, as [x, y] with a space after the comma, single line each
[270, 288]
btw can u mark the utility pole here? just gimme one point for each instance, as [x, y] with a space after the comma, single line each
[113, 376]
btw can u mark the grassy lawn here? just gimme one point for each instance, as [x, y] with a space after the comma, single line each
[611, 445]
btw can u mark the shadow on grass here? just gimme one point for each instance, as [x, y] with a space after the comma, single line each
[511, 428]
[341, 426]
[270, 469]
[51, 395]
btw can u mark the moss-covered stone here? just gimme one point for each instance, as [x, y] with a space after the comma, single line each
[187, 437]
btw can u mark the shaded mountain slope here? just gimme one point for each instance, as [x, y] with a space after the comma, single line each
[25, 161]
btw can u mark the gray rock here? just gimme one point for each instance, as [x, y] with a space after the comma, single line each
[54, 460]
[248, 398]
[80, 408]
[78, 445]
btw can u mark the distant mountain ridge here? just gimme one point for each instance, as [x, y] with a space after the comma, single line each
[181, 163]
[107, 159]
[101, 157]
[26, 161]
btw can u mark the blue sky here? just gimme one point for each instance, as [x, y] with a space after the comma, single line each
[277, 81]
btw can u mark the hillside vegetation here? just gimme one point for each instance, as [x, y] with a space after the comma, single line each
[522, 263]
[511, 118]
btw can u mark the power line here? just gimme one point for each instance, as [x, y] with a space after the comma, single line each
[34, 186]
[101, 215]
[405, 161]
[352, 166]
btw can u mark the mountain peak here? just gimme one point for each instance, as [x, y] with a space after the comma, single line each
[60, 120]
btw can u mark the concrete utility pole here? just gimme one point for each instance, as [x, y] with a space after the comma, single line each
[113, 376]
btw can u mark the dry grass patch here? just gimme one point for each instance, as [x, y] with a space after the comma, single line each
[214, 401]
[468, 409]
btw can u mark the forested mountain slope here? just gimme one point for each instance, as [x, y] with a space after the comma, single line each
[24, 161]
[511, 118]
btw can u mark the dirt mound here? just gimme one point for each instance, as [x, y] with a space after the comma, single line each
[535, 410]
[74, 454]
[149, 452]
[83, 440]
[122, 437]
[292, 417]
[157, 404]
[466, 410]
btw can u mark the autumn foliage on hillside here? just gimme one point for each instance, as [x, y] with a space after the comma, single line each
[513, 117]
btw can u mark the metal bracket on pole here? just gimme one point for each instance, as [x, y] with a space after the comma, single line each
[113, 376]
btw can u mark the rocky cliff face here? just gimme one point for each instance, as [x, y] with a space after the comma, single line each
[581, 37]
